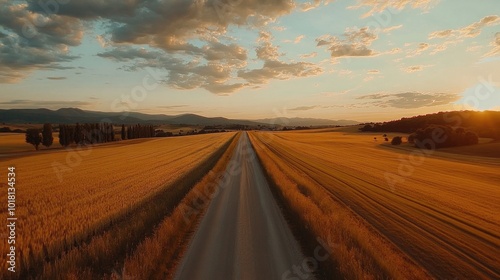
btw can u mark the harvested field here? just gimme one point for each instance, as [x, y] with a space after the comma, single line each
[434, 214]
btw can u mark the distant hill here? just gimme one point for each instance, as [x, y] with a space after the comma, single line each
[64, 115]
[74, 115]
[485, 124]
[305, 122]
[200, 120]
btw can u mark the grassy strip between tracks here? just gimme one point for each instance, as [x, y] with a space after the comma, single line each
[356, 250]
[158, 256]
[101, 255]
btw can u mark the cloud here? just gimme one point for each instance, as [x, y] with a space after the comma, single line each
[354, 43]
[392, 28]
[473, 48]
[422, 47]
[304, 108]
[224, 89]
[372, 74]
[279, 70]
[394, 51]
[495, 46]
[211, 74]
[25, 104]
[267, 51]
[123, 54]
[453, 37]
[441, 34]
[171, 106]
[168, 28]
[313, 5]
[309, 55]
[273, 68]
[264, 36]
[432, 49]
[415, 68]
[159, 28]
[310, 5]
[410, 100]
[298, 39]
[169, 25]
[368, 78]
[102, 41]
[219, 68]
[337, 93]
[344, 72]
[56, 78]
[34, 41]
[219, 51]
[470, 31]
[8, 76]
[444, 46]
[393, 6]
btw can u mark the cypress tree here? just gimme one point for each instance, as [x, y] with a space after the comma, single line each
[33, 137]
[47, 138]
[78, 137]
[124, 132]
[62, 135]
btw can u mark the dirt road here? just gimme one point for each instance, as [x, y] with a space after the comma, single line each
[243, 234]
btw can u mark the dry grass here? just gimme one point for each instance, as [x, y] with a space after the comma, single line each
[442, 221]
[101, 189]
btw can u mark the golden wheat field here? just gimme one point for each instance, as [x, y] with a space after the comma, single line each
[158, 255]
[389, 212]
[64, 196]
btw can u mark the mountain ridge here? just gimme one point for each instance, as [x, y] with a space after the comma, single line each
[74, 115]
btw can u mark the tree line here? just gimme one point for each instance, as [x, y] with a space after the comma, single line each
[85, 134]
[440, 136]
[485, 124]
[137, 131]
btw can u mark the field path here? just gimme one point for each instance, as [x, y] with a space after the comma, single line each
[243, 234]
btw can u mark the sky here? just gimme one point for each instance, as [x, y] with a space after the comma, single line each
[366, 60]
